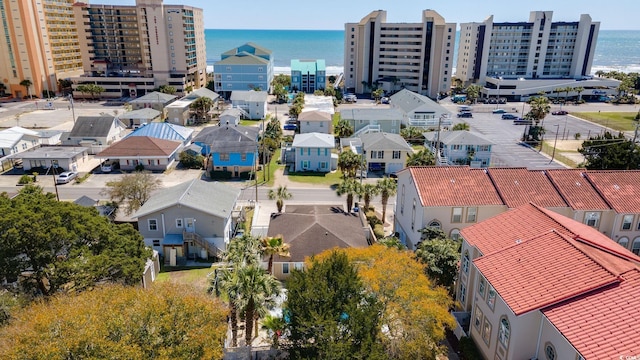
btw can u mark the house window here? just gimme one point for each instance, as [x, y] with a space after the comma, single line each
[627, 220]
[260, 69]
[549, 351]
[624, 242]
[471, 214]
[156, 242]
[224, 157]
[229, 77]
[178, 223]
[153, 224]
[503, 332]
[319, 151]
[285, 268]
[486, 331]
[477, 319]
[396, 154]
[463, 293]
[465, 262]
[456, 216]
[491, 297]
[228, 68]
[298, 266]
[435, 224]
[326, 152]
[301, 151]
[243, 157]
[482, 287]
[377, 154]
[306, 164]
[402, 200]
[592, 218]
[456, 147]
[413, 215]
[635, 247]
[455, 234]
[323, 165]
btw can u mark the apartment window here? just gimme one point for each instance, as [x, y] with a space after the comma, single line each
[435, 224]
[455, 234]
[627, 220]
[402, 200]
[592, 218]
[224, 157]
[156, 242]
[635, 247]
[243, 157]
[179, 223]
[477, 319]
[549, 351]
[456, 215]
[285, 268]
[491, 298]
[471, 214]
[463, 293]
[228, 68]
[503, 332]
[153, 224]
[482, 287]
[486, 331]
[624, 242]
[465, 262]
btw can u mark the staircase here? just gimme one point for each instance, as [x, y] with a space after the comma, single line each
[243, 113]
[198, 240]
[367, 129]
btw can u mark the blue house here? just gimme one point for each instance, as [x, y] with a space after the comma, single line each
[308, 75]
[247, 67]
[313, 152]
[228, 148]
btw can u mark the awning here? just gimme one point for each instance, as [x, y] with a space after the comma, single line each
[173, 239]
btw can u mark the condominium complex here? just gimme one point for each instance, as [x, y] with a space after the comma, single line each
[38, 43]
[503, 54]
[129, 50]
[393, 56]
[246, 67]
[308, 75]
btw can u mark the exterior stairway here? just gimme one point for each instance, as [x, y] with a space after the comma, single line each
[197, 239]
[367, 129]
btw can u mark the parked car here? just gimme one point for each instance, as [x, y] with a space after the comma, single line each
[361, 174]
[106, 167]
[499, 111]
[509, 117]
[66, 177]
[384, 100]
[465, 115]
[292, 121]
[560, 112]
[520, 121]
[464, 108]
[290, 126]
[350, 98]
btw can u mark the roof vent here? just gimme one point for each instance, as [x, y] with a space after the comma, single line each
[578, 183]
[518, 241]
[616, 187]
[453, 181]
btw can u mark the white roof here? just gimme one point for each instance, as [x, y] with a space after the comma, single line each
[318, 103]
[408, 101]
[314, 140]
[250, 95]
[10, 137]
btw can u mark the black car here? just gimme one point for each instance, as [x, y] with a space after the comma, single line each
[560, 112]
[509, 117]
[465, 115]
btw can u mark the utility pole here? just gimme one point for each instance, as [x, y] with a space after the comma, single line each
[264, 159]
[255, 173]
[437, 154]
[55, 183]
[73, 111]
[555, 142]
[633, 144]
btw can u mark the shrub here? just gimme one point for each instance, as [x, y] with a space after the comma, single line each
[25, 179]
[191, 161]
[373, 219]
[139, 167]
[378, 231]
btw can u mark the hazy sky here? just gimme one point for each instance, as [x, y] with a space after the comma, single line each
[333, 14]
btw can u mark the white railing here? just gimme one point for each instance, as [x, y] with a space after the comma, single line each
[367, 129]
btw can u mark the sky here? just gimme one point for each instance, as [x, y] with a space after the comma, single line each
[333, 14]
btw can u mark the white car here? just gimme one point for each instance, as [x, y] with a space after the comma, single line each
[106, 168]
[66, 177]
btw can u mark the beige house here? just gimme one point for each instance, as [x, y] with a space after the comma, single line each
[536, 284]
[385, 152]
[315, 121]
[54, 159]
[190, 220]
[179, 112]
[151, 153]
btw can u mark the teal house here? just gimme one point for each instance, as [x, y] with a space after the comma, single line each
[247, 67]
[308, 75]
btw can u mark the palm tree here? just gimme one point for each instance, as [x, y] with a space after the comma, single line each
[567, 90]
[274, 245]
[539, 108]
[579, 89]
[343, 129]
[377, 94]
[274, 325]
[388, 187]
[257, 291]
[280, 195]
[423, 157]
[27, 84]
[461, 126]
[349, 187]
[349, 163]
[201, 107]
[473, 92]
[368, 191]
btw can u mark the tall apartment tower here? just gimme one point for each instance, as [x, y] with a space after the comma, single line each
[415, 56]
[537, 49]
[151, 43]
[39, 43]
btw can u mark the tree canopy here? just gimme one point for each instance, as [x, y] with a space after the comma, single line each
[349, 163]
[118, 322]
[91, 89]
[60, 246]
[609, 152]
[423, 157]
[132, 190]
[440, 255]
[343, 128]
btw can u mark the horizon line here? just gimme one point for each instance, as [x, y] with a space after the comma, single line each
[343, 29]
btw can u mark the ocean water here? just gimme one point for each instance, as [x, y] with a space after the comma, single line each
[615, 49]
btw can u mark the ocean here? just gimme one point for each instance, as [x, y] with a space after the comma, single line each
[615, 50]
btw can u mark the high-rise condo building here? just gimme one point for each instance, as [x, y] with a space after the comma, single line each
[38, 43]
[129, 50]
[513, 54]
[393, 56]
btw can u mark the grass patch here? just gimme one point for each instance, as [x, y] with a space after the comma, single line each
[417, 148]
[196, 276]
[312, 177]
[271, 170]
[248, 220]
[250, 122]
[547, 148]
[335, 119]
[621, 121]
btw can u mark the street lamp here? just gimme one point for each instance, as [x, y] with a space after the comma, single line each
[498, 99]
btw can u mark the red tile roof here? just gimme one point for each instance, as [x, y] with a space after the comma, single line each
[611, 316]
[576, 189]
[140, 146]
[519, 186]
[453, 186]
[620, 189]
[542, 271]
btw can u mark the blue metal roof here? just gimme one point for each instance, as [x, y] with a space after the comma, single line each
[164, 131]
[173, 239]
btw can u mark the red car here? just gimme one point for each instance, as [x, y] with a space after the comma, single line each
[560, 112]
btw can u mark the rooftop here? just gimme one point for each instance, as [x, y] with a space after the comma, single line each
[576, 189]
[314, 140]
[140, 146]
[519, 186]
[620, 189]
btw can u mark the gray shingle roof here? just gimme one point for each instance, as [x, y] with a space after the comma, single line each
[250, 95]
[154, 97]
[257, 49]
[314, 116]
[94, 126]
[409, 101]
[227, 138]
[371, 114]
[384, 141]
[314, 140]
[243, 58]
[212, 198]
[142, 114]
[202, 92]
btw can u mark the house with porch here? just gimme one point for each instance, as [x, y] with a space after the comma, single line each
[191, 220]
[151, 153]
[313, 152]
[373, 120]
[535, 284]
[231, 117]
[385, 152]
[253, 103]
[246, 67]
[420, 111]
[312, 229]
[137, 118]
[179, 112]
[95, 132]
[459, 147]
[229, 149]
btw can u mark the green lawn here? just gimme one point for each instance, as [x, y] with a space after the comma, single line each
[621, 121]
[185, 275]
[311, 177]
[273, 166]
[250, 122]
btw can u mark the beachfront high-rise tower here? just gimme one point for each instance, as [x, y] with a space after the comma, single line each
[38, 43]
[393, 56]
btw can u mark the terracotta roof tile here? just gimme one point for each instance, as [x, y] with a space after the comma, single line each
[542, 271]
[610, 314]
[452, 186]
[140, 146]
[576, 189]
[519, 186]
[620, 189]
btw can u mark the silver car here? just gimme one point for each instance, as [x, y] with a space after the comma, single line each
[66, 177]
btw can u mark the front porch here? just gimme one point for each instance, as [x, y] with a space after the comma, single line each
[178, 249]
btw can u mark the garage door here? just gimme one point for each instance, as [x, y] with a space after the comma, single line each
[393, 167]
